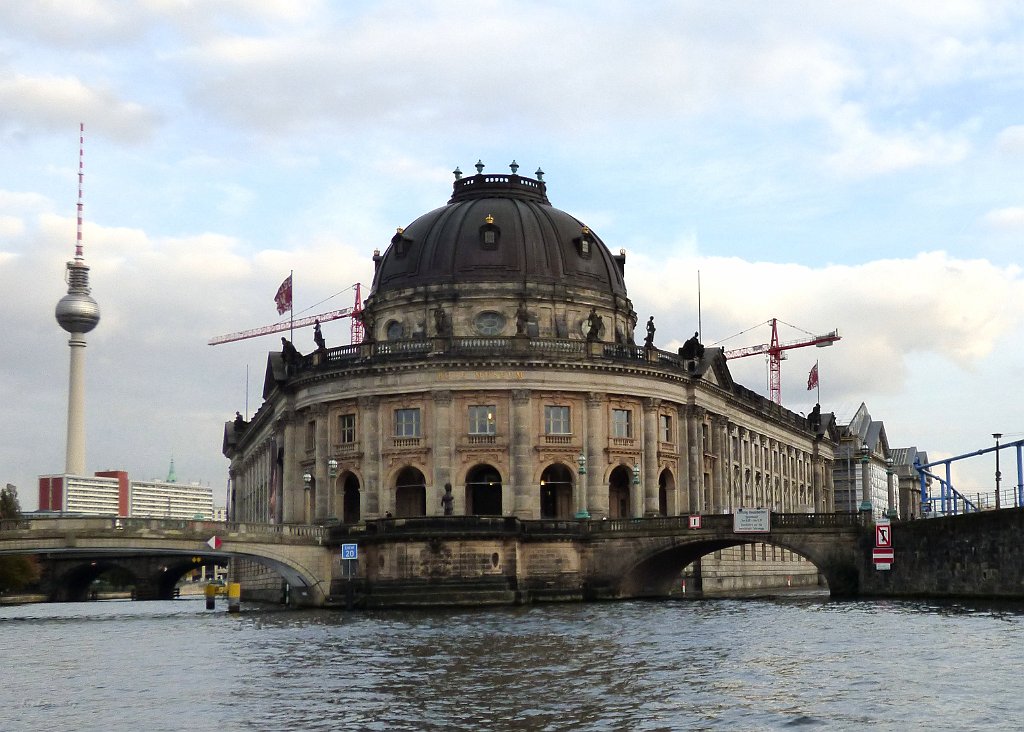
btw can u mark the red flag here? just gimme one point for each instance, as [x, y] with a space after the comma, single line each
[812, 378]
[283, 298]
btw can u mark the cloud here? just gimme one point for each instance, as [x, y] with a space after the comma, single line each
[886, 311]
[864, 152]
[1005, 219]
[59, 103]
[1010, 140]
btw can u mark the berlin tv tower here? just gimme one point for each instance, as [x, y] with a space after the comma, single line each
[77, 313]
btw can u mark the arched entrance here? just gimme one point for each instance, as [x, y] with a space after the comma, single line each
[410, 493]
[350, 508]
[666, 494]
[483, 491]
[618, 492]
[556, 492]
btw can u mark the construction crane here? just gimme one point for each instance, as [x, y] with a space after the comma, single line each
[775, 350]
[353, 312]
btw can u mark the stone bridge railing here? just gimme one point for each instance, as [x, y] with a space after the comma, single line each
[383, 529]
[170, 527]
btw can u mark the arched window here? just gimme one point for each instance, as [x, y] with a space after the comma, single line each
[483, 491]
[556, 492]
[410, 493]
[619, 483]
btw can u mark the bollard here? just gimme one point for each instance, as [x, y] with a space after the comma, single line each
[234, 597]
[211, 596]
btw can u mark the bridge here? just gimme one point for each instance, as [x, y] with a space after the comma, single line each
[159, 552]
[505, 560]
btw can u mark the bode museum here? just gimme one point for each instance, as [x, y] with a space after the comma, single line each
[504, 372]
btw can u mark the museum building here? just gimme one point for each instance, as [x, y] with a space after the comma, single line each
[500, 359]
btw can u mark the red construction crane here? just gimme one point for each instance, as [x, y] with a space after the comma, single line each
[353, 312]
[774, 350]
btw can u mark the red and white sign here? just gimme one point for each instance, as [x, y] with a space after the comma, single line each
[882, 557]
[694, 522]
[214, 542]
[883, 535]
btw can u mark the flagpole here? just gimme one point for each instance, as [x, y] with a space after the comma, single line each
[818, 384]
[291, 305]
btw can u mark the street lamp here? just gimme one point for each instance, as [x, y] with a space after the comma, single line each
[891, 513]
[332, 468]
[636, 474]
[865, 481]
[581, 469]
[997, 435]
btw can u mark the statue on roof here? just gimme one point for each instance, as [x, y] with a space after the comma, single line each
[289, 353]
[692, 348]
[649, 340]
[522, 318]
[814, 418]
[318, 337]
[595, 324]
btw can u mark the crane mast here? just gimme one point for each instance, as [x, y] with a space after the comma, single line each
[774, 350]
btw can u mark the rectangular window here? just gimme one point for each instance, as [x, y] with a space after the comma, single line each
[310, 435]
[556, 421]
[622, 423]
[481, 420]
[407, 423]
[666, 428]
[347, 429]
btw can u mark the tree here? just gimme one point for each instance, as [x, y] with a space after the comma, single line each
[16, 571]
[9, 506]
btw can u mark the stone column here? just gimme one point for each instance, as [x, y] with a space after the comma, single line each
[649, 474]
[373, 501]
[683, 503]
[321, 452]
[292, 492]
[444, 447]
[520, 499]
[597, 499]
[741, 458]
[865, 486]
[721, 453]
[695, 455]
[817, 476]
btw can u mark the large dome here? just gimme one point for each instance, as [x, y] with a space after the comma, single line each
[498, 228]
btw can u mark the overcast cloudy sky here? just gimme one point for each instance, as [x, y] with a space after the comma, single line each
[835, 165]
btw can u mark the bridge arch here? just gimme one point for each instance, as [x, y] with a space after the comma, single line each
[653, 567]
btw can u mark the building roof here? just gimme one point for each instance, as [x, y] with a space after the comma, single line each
[498, 228]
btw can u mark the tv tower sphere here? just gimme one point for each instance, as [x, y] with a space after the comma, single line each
[77, 312]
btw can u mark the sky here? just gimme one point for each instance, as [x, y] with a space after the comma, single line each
[853, 166]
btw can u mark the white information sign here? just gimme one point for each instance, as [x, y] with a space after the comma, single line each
[752, 521]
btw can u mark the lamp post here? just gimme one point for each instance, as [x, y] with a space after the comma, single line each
[636, 486]
[891, 513]
[997, 435]
[307, 480]
[332, 473]
[581, 469]
[865, 483]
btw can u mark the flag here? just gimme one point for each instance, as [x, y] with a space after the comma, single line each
[283, 298]
[812, 378]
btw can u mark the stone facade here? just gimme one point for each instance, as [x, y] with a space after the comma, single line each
[500, 359]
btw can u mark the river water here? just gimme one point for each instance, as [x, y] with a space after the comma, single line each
[762, 664]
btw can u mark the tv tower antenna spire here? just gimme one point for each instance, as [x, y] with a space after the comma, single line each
[77, 313]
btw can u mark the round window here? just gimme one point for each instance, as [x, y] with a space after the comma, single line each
[395, 331]
[490, 323]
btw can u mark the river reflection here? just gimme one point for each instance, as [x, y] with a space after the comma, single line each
[718, 664]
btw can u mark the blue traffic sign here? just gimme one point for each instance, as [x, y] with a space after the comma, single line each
[350, 551]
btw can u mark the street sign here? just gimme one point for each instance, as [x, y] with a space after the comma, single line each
[751, 521]
[882, 557]
[214, 542]
[694, 522]
[883, 535]
[350, 551]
